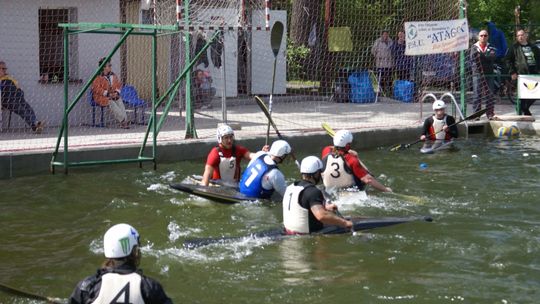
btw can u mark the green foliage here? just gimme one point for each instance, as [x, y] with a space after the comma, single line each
[296, 55]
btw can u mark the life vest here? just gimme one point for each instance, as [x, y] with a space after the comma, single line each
[295, 217]
[251, 181]
[120, 288]
[337, 173]
[435, 130]
[227, 166]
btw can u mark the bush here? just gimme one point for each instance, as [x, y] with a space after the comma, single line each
[296, 56]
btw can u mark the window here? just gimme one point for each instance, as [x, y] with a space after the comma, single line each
[51, 50]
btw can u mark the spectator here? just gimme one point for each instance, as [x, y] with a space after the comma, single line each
[203, 90]
[120, 280]
[384, 62]
[523, 58]
[403, 63]
[12, 99]
[483, 57]
[106, 92]
[497, 40]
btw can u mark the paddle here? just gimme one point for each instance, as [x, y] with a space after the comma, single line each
[270, 121]
[275, 42]
[406, 146]
[29, 295]
[412, 198]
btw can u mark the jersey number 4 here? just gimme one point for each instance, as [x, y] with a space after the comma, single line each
[124, 293]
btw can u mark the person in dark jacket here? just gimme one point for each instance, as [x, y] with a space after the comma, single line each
[523, 58]
[483, 57]
[120, 280]
[12, 99]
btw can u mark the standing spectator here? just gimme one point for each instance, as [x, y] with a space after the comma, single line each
[523, 58]
[497, 40]
[12, 99]
[483, 57]
[106, 92]
[403, 63]
[203, 90]
[384, 62]
[120, 280]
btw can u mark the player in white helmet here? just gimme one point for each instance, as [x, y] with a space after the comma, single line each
[262, 177]
[439, 129]
[223, 161]
[343, 168]
[304, 207]
[120, 280]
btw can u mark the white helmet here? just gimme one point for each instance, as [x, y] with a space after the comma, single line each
[438, 104]
[310, 165]
[119, 240]
[280, 148]
[222, 131]
[342, 138]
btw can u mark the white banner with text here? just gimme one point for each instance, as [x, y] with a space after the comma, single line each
[435, 37]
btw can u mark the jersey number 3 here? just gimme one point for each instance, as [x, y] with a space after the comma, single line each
[335, 173]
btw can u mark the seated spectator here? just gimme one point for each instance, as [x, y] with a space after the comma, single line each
[106, 92]
[203, 91]
[12, 98]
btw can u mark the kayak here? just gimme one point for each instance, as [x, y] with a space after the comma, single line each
[449, 145]
[218, 194]
[359, 224]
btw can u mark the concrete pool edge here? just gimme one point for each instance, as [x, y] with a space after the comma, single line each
[36, 163]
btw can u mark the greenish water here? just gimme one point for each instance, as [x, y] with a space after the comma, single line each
[483, 247]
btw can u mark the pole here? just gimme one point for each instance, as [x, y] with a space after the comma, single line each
[462, 82]
[190, 126]
[223, 81]
[66, 96]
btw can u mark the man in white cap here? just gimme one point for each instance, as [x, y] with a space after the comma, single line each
[439, 129]
[262, 177]
[120, 280]
[304, 207]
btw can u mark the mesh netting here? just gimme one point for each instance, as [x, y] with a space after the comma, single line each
[325, 69]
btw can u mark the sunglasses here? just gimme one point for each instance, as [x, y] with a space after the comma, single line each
[483, 35]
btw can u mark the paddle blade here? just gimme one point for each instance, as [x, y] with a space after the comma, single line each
[328, 129]
[397, 148]
[276, 36]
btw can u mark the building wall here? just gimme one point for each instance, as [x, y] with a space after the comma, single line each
[19, 34]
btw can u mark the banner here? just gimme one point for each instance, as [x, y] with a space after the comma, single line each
[435, 37]
[529, 86]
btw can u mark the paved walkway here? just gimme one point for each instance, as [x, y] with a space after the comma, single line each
[290, 117]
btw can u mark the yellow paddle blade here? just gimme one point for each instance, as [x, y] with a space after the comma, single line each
[328, 129]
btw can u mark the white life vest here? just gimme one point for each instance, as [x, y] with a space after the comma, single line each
[335, 175]
[438, 125]
[120, 288]
[227, 166]
[295, 217]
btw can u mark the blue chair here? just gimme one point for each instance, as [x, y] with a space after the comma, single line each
[94, 104]
[131, 99]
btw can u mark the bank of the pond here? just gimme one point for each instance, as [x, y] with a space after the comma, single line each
[34, 161]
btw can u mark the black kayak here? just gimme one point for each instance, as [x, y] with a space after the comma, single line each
[223, 195]
[359, 224]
